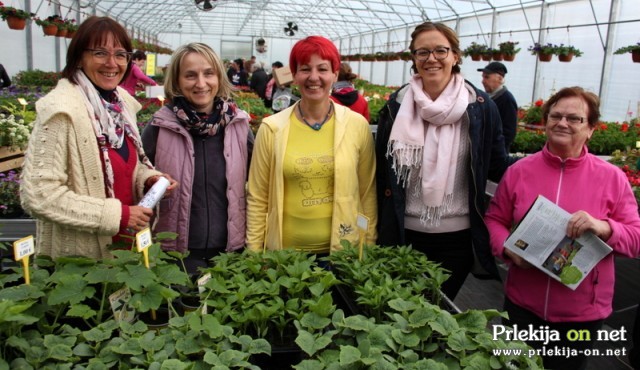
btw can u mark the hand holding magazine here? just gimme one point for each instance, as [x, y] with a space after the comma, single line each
[540, 238]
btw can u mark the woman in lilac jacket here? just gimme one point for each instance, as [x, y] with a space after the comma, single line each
[600, 200]
[202, 138]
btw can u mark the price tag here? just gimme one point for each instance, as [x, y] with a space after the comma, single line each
[23, 248]
[201, 283]
[363, 226]
[22, 101]
[119, 301]
[143, 239]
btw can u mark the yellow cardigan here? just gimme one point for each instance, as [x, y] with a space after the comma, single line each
[354, 189]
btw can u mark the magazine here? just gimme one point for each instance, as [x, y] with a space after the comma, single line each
[540, 238]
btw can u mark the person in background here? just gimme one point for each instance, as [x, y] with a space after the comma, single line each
[271, 84]
[439, 139]
[604, 205]
[248, 64]
[85, 169]
[237, 75]
[313, 169]
[202, 139]
[259, 80]
[344, 92]
[5, 81]
[493, 82]
[136, 77]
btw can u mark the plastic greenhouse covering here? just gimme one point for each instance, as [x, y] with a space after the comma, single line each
[233, 28]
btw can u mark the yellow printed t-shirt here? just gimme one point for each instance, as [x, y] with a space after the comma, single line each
[308, 187]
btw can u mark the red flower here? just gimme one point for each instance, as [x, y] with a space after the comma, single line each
[603, 126]
[539, 103]
[624, 127]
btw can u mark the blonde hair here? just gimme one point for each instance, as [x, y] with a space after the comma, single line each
[171, 84]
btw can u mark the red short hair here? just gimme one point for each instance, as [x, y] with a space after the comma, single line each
[305, 48]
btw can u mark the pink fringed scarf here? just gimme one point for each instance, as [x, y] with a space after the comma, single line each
[425, 138]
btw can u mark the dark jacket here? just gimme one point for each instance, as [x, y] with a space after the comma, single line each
[258, 83]
[508, 109]
[488, 160]
[4, 77]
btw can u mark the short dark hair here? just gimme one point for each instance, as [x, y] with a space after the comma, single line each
[139, 55]
[277, 65]
[93, 32]
[591, 99]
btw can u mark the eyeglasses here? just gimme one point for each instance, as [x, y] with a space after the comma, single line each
[439, 53]
[122, 58]
[574, 120]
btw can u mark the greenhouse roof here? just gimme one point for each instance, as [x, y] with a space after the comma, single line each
[290, 18]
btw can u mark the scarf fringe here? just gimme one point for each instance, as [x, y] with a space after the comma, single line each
[405, 159]
[432, 215]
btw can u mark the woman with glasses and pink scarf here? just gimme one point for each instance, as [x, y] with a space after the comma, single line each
[439, 139]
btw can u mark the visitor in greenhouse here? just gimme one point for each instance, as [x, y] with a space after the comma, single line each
[85, 168]
[258, 81]
[237, 75]
[136, 78]
[346, 94]
[203, 140]
[439, 138]
[313, 169]
[493, 82]
[604, 206]
[271, 84]
[5, 80]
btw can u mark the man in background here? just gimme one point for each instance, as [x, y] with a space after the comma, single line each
[493, 82]
[5, 81]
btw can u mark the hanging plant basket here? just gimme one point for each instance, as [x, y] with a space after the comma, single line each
[635, 56]
[16, 23]
[497, 56]
[544, 57]
[476, 57]
[70, 34]
[62, 32]
[509, 58]
[486, 57]
[50, 30]
[565, 58]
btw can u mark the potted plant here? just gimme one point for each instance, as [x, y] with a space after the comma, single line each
[16, 18]
[544, 52]
[475, 51]
[71, 27]
[509, 50]
[633, 49]
[496, 54]
[50, 24]
[405, 55]
[567, 52]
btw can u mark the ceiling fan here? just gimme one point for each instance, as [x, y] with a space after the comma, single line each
[290, 29]
[204, 5]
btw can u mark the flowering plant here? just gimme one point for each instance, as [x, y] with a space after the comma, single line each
[55, 20]
[10, 193]
[509, 47]
[537, 48]
[532, 115]
[568, 49]
[14, 132]
[9, 11]
[474, 49]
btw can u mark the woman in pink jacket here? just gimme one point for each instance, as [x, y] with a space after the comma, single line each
[600, 200]
[137, 77]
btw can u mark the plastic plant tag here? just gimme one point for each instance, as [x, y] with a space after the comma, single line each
[119, 301]
[202, 281]
[363, 226]
[22, 249]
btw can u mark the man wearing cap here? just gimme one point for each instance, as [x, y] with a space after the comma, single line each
[493, 82]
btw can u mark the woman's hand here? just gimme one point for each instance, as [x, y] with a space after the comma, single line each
[139, 217]
[581, 221]
[173, 184]
[517, 260]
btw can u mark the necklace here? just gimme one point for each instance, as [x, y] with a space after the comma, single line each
[318, 125]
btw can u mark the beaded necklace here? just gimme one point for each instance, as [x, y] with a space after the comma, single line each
[318, 125]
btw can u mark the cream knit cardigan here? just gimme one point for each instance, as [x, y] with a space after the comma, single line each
[63, 179]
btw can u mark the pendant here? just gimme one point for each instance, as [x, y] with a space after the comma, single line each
[316, 126]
